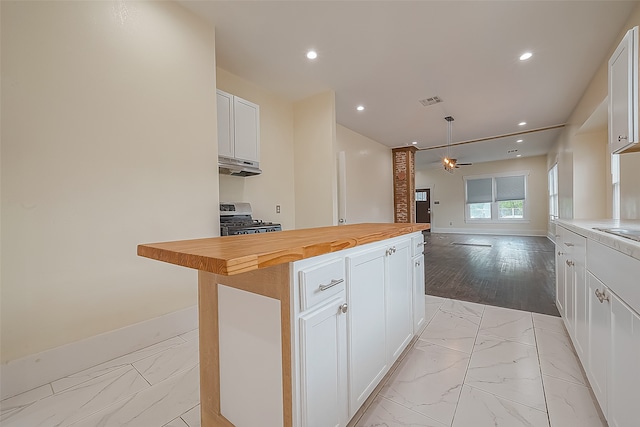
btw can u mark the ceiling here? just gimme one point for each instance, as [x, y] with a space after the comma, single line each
[388, 55]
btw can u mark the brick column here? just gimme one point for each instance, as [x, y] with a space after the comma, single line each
[404, 184]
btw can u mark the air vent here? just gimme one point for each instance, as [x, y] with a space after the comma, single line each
[512, 151]
[430, 101]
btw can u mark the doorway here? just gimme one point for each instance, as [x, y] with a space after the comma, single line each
[423, 206]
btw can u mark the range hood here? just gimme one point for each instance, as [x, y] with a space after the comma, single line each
[237, 167]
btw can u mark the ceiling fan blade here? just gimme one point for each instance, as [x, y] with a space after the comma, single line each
[464, 164]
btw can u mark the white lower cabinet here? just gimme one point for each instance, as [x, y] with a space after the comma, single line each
[418, 293]
[324, 365]
[560, 276]
[366, 324]
[597, 362]
[603, 321]
[355, 314]
[399, 299]
[623, 399]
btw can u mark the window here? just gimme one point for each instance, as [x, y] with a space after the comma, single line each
[499, 198]
[553, 192]
[615, 182]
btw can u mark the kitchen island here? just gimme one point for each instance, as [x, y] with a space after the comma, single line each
[299, 327]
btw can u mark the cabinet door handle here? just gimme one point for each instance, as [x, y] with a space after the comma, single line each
[560, 253]
[622, 138]
[331, 284]
[343, 308]
[568, 244]
[601, 296]
[417, 263]
[570, 263]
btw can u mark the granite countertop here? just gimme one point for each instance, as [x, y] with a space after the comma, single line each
[586, 228]
[231, 255]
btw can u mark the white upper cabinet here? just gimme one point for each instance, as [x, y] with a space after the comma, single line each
[623, 94]
[238, 127]
[225, 124]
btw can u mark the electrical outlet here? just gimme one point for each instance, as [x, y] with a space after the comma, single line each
[277, 208]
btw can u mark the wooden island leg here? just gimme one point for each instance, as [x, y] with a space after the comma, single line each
[272, 282]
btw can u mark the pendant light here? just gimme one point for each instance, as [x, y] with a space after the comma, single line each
[449, 163]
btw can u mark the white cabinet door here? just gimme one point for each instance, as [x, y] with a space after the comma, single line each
[246, 129]
[599, 339]
[575, 247]
[225, 123]
[560, 278]
[581, 337]
[623, 401]
[418, 293]
[569, 293]
[324, 365]
[399, 296]
[623, 93]
[366, 324]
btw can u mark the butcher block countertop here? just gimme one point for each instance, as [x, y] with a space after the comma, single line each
[231, 255]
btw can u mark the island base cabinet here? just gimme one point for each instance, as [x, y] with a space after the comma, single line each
[624, 399]
[399, 298]
[366, 324]
[599, 337]
[324, 365]
[418, 294]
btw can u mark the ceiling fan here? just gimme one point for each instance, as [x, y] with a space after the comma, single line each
[449, 163]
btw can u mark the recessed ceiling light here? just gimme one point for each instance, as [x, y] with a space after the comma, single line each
[526, 56]
[522, 123]
[312, 54]
[360, 107]
[415, 142]
[519, 140]
[518, 155]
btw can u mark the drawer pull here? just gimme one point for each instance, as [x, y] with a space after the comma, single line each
[601, 296]
[343, 308]
[331, 284]
[570, 263]
[420, 244]
[568, 244]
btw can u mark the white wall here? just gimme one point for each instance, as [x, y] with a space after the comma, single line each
[315, 161]
[590, 175]
[108, 140]
[275, 185]
[448, 189]
[369, 177]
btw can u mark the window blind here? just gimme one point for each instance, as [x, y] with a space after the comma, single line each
[479, 190]
[510, 188]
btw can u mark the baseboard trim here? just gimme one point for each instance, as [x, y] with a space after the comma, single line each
[495, 231]
[35, 370]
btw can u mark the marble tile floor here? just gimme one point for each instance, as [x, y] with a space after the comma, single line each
[472, 366]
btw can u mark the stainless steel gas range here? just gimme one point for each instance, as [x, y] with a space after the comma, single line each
[235, 218]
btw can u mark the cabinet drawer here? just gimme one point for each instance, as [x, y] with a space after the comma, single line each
[417, 245]
[619, 272]
[320, 282]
